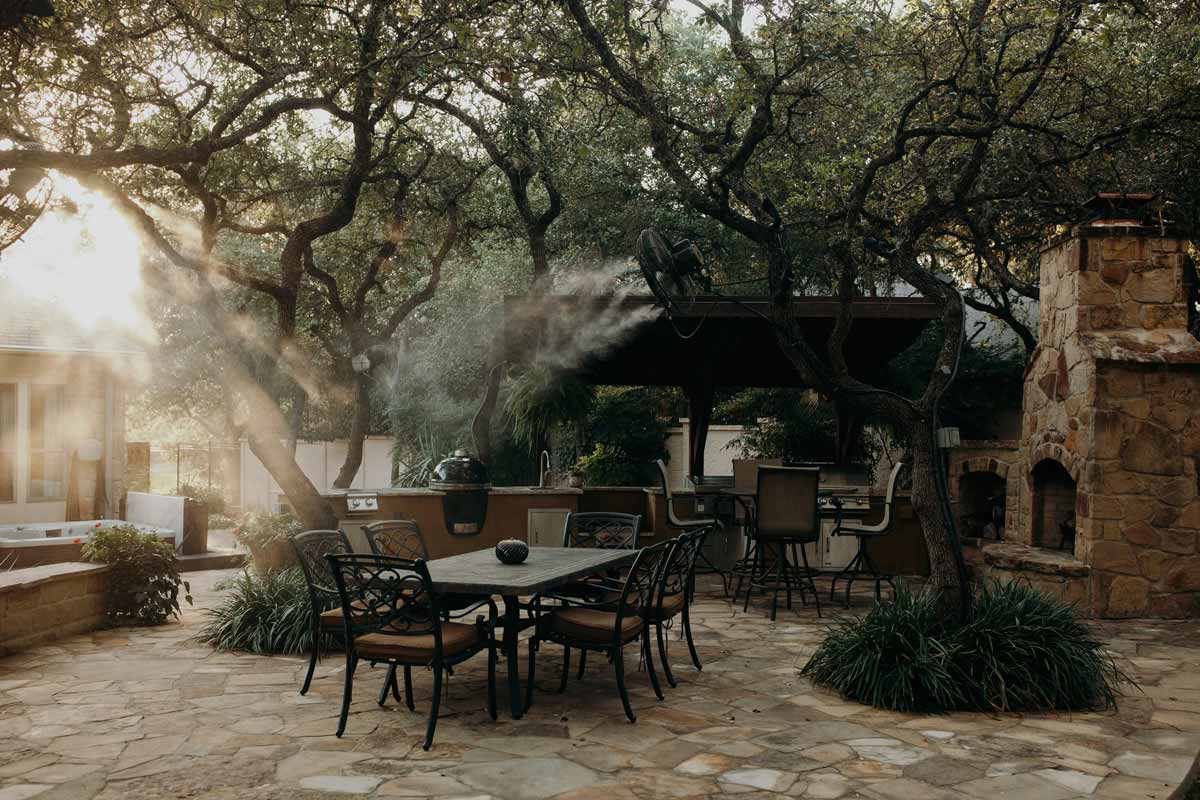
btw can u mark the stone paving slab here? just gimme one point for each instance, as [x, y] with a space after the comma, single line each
[149, 713]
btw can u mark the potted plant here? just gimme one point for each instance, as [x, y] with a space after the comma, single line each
[266, 536]
[575, 476]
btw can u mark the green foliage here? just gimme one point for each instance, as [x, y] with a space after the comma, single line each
[783, 424]
[211, 496]
[144, 577]
[262, 613]
[608, 465]
[626, 434]
[432, 445]
[1025, 650]
[261, 529]
[543, 398]
[989, 383]
[1017, 650]
[220, 522]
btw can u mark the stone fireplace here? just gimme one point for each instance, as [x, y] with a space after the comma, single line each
[1110, 435]
[1054, 500]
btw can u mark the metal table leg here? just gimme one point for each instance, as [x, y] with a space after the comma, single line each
[512, 629]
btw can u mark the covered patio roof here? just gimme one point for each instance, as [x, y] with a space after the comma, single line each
[727, 336]
[713, 342]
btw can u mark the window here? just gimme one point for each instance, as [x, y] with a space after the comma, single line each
[47, 455]
[8, 442]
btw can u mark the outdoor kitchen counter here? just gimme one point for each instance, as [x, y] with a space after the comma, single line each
[400, 491]
[508, 515]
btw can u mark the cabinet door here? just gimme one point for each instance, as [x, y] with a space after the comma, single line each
[836, 551]
[545, 526]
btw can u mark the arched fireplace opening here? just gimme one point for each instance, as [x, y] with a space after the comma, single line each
[981, 505]
[1053, 506]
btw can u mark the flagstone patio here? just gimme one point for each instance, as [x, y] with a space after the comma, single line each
[148, 713]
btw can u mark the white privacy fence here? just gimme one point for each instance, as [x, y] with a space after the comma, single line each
[321, 462]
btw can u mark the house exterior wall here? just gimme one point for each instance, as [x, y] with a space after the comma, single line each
[94, 409]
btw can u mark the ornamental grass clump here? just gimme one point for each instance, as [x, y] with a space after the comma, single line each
[262, 612]
[143, 575]
[1017, 650]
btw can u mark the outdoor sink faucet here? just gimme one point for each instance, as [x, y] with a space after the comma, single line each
[544, 469]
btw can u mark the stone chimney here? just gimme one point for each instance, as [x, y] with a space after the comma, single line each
[1110, 443]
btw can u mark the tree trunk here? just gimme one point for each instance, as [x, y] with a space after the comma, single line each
[541, 259]
[947, 571]
[296, 419]
[358, 432]
[313, 511]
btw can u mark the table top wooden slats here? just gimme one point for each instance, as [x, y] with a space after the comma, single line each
[481, 573]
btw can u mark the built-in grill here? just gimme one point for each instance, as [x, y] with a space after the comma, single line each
[463, 482]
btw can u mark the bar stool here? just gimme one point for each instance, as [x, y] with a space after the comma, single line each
[691, 525]
[787, 515]
[862, 565]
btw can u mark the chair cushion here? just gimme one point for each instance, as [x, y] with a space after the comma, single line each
[672, 605]
[457, 638]
[592, 625]
[333, 617]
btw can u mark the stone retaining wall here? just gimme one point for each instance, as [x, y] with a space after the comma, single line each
[39, 604]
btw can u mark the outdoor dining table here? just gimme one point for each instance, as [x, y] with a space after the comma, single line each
[481, 572]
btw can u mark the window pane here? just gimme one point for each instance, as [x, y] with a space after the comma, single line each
[8, 478]
[47, 476]
[45, 417]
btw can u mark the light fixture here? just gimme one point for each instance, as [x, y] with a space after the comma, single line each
[948, 438]
[360, 363]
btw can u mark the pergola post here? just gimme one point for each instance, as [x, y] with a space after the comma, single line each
[700, 404]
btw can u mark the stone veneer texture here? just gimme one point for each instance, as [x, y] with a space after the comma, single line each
[1112, 394]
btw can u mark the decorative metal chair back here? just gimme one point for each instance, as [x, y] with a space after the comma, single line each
[787, 502]
[311, 549]
[602, 530]
[385, 594]
[400, 538]
[679, 565]
[641, 584]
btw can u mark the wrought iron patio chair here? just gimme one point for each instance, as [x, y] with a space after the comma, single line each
[402, 538]
[311, 548]
[605, 626]
[673, 597]
[602, 530]
[392, 615]
[862, 564]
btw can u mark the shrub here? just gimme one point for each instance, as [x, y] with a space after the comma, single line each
[899, 657]
[220, 522]
[1017, 650]
[262, 613]
[1025, 650]
[261, 529]
[626, 434]
[212, 496]
[144, 577]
